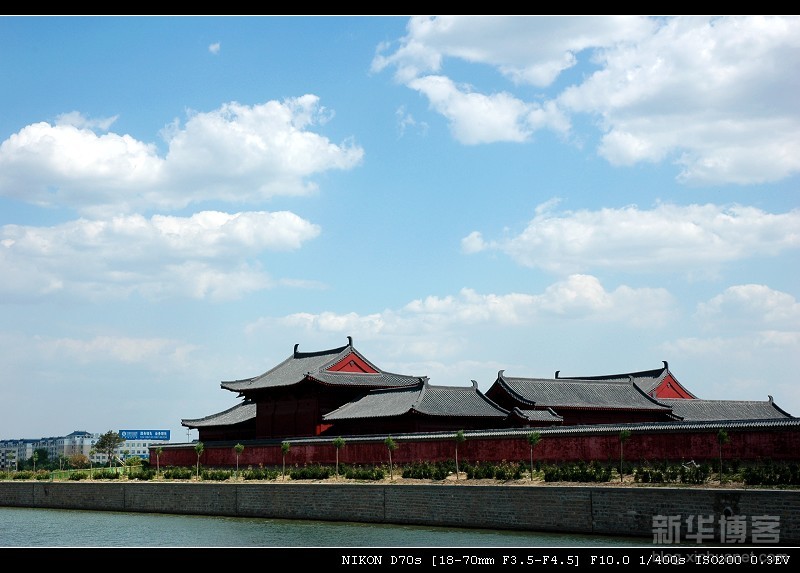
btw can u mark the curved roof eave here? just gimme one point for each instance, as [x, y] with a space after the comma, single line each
[501, 378]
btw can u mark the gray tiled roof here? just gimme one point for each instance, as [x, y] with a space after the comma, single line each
[300, 364]
[239, 413]
[692, 410]
[647, 380]
[578, 393]
[640, 427]
[380, 380]
[546, 415]
[423, 399]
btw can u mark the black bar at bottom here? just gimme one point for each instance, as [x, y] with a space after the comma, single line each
[412, 558]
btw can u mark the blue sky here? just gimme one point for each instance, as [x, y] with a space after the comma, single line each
[184, 199]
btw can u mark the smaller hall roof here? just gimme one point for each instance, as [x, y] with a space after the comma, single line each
[544, 415]
[424, 399]
[647, 380]
[693, 410]
[235, 415]
[608, 394]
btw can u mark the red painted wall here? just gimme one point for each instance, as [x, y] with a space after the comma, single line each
[749, 445]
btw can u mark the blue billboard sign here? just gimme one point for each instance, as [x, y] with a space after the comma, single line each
[144, 434]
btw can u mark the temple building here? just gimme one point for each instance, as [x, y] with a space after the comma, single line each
[340, 392]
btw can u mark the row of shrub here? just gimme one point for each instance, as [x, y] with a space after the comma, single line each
[578, 472]
[764, 473]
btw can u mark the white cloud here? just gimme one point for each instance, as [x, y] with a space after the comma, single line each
[405, 121]
[76, 119]
[745, 366]
[210, 254]
[237, 153]
[475, 118]
[686, 238]
[752, 307]
[576, 297]
[214, 48]
[473, 243]
[714, 96]
[750, 348]
[115, 348]
[531, 50]
[747, 350]
[710, 93]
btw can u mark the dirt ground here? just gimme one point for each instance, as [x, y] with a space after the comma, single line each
[628, 481]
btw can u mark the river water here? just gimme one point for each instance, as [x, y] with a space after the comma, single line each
[55, 528]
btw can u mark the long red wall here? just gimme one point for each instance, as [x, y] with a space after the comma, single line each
[781, 444]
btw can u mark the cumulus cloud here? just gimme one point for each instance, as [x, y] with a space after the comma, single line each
[576, 297]
[210, 254]
[531, 50]
[714, 96]
[751, 307]
[237, 154]
[474, 117]
[709, 94]
[686, 238]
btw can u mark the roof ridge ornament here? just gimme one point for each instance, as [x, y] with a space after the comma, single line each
[350, 341]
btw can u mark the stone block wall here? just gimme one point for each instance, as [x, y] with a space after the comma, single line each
[570, 509]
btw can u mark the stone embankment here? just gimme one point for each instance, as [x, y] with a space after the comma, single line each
[767, 516]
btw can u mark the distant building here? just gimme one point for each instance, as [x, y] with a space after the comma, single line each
[13, 452]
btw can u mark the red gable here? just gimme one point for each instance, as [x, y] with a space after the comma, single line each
[352, 363]
[670, 388]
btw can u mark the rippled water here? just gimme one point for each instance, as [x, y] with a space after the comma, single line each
[29, 527]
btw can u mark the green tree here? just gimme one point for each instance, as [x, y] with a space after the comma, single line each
[198, 448]
[624, 435]
[132, 462]
[533, 440]
[460, 438]
[238, 449]
[338, 443]
[722, 438]
[12, 457]
[391, 445]
[40, 456]
[285, 447]
[92, 454]
[108, 444]
[159, 451]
